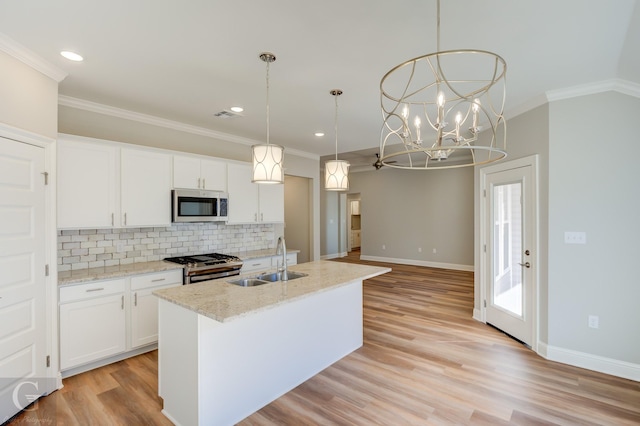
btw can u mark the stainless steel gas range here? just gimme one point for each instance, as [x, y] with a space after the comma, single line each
[203, 267]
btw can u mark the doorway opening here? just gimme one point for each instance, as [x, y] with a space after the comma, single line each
[298, 215]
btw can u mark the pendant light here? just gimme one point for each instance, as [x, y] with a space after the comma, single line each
[436, 106]
[267, 158]
[336, 172]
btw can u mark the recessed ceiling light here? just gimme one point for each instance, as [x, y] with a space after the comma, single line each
[319, 134]
[72, 56]
[237, 109]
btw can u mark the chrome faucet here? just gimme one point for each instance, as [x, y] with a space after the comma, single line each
[282, 247]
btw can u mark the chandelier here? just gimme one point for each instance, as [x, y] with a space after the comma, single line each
[267, 158]
[444, 110]
[336, 172]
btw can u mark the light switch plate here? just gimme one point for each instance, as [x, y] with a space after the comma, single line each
[575, 237]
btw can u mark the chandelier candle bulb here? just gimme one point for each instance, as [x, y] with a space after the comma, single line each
[417, 123]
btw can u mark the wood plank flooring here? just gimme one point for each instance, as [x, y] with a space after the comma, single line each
[425, 361]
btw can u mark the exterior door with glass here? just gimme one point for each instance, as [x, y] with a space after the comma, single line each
[509, 244]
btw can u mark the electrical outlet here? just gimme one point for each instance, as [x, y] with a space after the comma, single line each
[575, 237]
[594, 321]
[419, 249]
[384, 247]
[435, 251]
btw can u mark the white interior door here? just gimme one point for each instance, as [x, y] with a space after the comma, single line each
[509, 231]
[22, 276]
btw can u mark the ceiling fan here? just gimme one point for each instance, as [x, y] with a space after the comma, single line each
[378, 164]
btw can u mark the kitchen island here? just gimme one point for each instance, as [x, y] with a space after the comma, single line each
[225, 351]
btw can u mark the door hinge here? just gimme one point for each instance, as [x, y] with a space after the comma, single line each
[48, 360]
[46, 178]
[46, 270]
[484, 193]
[485, 248]
[485, 303]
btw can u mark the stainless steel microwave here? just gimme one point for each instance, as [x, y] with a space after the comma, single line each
[196, 205]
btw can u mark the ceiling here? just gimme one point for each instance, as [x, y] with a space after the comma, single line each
[187, 60]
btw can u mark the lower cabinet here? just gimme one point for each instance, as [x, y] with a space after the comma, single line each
[102, 319]
[261, 264]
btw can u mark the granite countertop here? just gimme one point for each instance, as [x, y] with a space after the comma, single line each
[222, 301]
[117, 271]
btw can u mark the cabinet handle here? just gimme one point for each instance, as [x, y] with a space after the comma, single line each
[157, 280]
[135, 299]
[255, 217]
[198, 183]
[122, 303]
[125, 218]
[261, 217]
[95, 289]
[112, 219]
[204, 185]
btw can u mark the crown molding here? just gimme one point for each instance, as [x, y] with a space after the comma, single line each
[21, 53]
[85, 105]
[616, 85]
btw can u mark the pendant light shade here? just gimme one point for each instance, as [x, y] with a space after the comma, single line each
[336, 172]
[267, 158]
[336, 175]
[267, 163]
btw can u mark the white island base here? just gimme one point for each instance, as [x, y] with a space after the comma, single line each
[218, 373]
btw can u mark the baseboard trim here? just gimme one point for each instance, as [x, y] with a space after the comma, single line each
[477, 315]
[415, 262]
[333, 256]
[614, 367]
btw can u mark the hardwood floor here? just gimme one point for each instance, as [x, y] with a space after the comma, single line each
[425, 361]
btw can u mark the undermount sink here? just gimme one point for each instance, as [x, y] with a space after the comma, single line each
[249, 282]
[277, 276]
[266, 278]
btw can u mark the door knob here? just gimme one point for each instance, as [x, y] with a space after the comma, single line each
[526, 264]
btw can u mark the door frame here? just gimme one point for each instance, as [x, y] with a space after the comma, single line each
[51, 246]
[485, 257]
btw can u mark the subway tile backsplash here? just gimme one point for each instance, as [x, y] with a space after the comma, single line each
[90, 248]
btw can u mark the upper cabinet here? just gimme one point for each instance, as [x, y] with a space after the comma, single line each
[355, 207]
[196, 173]
[88, 185]
[145, 188]
[251, 202]
[103, 185]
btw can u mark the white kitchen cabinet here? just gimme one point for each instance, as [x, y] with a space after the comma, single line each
[144, 305]
[355, 207]
[292, 259]
[257, 264]
[88, 184]
[92, 322]
[199, 173]
[103, 319]
[355, 239]
[250, 202]
[101, 184]
[145, 188]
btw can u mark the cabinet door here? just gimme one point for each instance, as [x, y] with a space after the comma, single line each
[91, 329]
[87, 185]
[186, 172]
[145, 188]
[243, 194]
[271, 203]
[214, 175]
[144, 305]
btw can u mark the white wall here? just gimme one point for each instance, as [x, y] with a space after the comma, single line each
[594, 177]
[28, 98]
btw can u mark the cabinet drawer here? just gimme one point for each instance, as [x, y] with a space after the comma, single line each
[90, 290]
[156, 279]
[256, 264]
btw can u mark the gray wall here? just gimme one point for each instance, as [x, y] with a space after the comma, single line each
[594, 177]
[407, 210]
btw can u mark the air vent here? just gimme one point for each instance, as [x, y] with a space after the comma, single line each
[226, 114]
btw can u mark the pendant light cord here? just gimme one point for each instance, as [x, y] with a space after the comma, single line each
[438, 28]
[268, 102]
[336, 126]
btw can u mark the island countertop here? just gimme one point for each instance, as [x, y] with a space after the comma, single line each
[222, 301]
